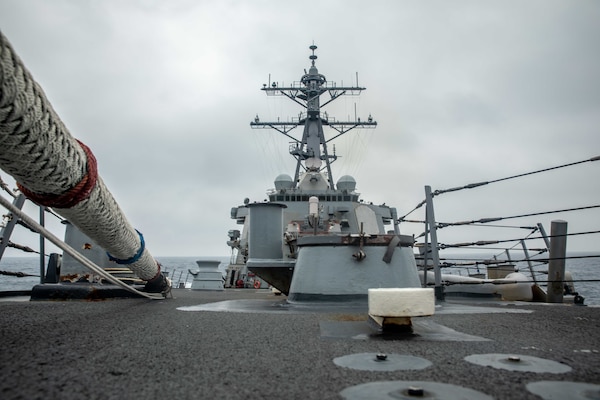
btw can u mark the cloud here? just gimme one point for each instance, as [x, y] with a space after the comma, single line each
[163, 93]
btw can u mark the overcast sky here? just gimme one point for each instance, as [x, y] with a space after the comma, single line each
[463, 91]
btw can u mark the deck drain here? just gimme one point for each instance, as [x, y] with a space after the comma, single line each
[410, 390]
[381, 362]
[550, 390]
[521, 363]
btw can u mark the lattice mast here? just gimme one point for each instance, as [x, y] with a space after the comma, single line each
[312, 148]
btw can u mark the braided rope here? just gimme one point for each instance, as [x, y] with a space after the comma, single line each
[133, 259]
[74, 195]
[52, 168]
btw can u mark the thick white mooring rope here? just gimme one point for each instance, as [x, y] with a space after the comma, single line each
[53, 169]
[75, 254]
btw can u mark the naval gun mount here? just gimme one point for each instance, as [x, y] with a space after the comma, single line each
[313, 243]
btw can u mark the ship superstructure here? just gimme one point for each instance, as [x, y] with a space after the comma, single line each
[310, 219]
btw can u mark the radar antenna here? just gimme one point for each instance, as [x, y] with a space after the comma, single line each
[311, 149]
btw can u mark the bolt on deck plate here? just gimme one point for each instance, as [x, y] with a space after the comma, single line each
[381, 362]
[410, 390]
[513, 362]
[551, 390]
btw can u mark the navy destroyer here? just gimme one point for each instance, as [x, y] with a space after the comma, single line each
[315, 238]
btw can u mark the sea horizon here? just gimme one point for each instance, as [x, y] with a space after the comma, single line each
[585, 270]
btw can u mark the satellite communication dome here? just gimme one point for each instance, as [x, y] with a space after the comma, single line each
[284, 181]
[347, 183]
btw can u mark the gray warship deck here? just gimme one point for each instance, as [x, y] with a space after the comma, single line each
[250, 344]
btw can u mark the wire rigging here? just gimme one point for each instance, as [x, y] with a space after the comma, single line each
[487, 242]
[441, 225]
[478, 184]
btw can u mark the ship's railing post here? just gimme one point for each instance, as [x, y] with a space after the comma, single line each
[426, 253]
[394, 213]
[543, 233]
[556, 265]
[528, 261]
[430, 222]
[42, 246]
[7, 230]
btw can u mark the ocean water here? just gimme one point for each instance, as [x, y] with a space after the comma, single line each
[585, 272]
[177, 268]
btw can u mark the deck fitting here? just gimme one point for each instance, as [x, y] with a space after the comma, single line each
[381, 362]
[415, 391]
[394, 390]
[521, 363]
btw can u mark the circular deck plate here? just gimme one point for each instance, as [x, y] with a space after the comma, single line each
[558, 390]
[521, 363]
[370, 362]
[400, 390]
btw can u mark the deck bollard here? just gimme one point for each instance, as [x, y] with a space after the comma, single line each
[556, 265]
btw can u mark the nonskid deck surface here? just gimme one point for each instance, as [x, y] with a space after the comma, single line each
[232, 345]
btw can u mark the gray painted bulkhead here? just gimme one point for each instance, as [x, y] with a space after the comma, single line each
[86, 247]
[331, 273]
[265, 245]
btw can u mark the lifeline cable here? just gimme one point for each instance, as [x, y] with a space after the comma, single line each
[5, 187]
[25, 249]
[506, 282]
[541, 261]
[483, 221]
[441, 225]
[485, 242]
[478, 184]
[54, 169]
[475, 223]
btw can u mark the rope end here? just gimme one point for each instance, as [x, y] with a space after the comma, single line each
[160, 284]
